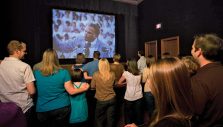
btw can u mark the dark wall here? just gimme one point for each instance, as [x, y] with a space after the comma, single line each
[20, 23]
[30, 21]
[179, 17]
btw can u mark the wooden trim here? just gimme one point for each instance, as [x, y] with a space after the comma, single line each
[170, 45]
[151, 48]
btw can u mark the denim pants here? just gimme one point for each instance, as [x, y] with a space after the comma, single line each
[150, 104]
[105, 113]
[55, 118]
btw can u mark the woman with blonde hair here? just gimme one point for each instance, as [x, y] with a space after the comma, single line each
[148, 96]
[103, 80]
[53, 86]
[171, 87]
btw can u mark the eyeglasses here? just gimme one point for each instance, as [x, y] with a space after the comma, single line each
[23, 52]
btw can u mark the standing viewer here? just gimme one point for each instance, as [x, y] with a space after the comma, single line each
[89, 69]
[148, 96]
[80, 59]
[207, 84]
[103, 81]
[16, 79]
[118, 69]
[142, 61]
[171, 87]
[53, 85]
[79, 107]
[133, 94]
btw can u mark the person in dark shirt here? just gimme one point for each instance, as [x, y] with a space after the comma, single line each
[207, 83]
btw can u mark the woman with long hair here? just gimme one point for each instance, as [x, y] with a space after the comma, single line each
[133, 95]
[171, 87]
[103, 81]
[53, 86]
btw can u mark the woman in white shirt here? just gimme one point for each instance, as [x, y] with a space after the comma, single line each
[133, 95]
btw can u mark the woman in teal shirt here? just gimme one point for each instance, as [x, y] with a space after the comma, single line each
[53, 88]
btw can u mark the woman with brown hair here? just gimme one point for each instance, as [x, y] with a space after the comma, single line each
[133, 95]
[171, 87]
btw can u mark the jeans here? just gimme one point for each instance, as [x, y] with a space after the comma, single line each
[150, 104]
[134, 112]
[105, 113]
[55, 118]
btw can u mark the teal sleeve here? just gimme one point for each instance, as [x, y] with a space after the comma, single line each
[67, 76]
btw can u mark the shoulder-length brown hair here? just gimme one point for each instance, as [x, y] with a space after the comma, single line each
[50, 62]
[132, 67]
[171, 88]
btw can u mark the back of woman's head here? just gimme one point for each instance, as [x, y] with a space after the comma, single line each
[50, 62]
[104, 68]
[76, 75]
[132, 67]
[171, 87]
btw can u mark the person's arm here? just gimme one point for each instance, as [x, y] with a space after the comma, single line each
[31, 88]
[139, 64]
[86, 76]
[145, 75]
[71, 90]
[93, 82]
[121, 81]
[28, 79]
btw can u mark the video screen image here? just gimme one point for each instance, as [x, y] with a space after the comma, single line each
[76, 32]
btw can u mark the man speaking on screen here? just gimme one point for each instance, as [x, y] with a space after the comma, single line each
[89, 42]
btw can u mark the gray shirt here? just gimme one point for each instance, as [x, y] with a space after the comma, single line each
[14, 74]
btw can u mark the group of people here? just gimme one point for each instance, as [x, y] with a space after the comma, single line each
[178, 92]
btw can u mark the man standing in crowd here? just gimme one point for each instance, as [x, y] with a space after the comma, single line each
[207, 84]
[142, 61]
[16, 79]
[89, 69]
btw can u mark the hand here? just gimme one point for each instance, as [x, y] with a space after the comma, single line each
[130, 125]
[85, 86]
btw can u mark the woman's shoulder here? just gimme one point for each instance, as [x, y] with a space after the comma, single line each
[62, 70]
